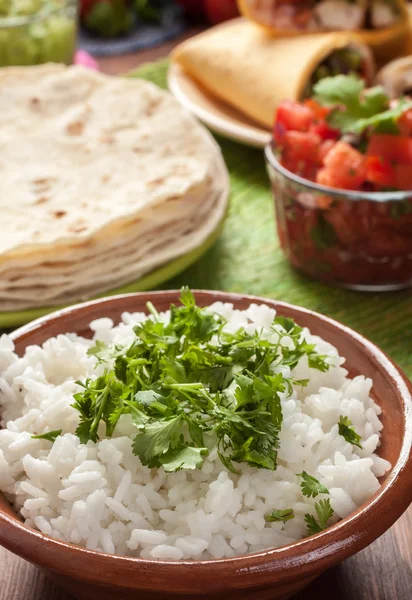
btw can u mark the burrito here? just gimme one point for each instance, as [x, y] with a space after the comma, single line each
[243, 65]
[396, 77]
[308, 16]
[96, 188]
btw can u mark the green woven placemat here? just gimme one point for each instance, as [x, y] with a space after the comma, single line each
[247, 258]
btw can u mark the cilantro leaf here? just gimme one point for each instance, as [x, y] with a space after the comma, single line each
[102, 352]
[318, 361]
[287, 323]
[325, 512]
[50, 435]
[173, 368]
[156, 439]
[218, 378]
[385, 121]
[280, 515]
[356, 109]
[195, 431]
[311, 487]
[96, 403]
[187, 298]
[83, 431]
[147, 397]
[185, 457]
[347, 431]
[227, 463]
[97, 349]
[341, 89]
[139, 418]
[375, 100]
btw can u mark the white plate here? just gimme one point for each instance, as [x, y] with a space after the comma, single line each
[215, 114]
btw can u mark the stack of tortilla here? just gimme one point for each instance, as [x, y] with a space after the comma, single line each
[101, 180]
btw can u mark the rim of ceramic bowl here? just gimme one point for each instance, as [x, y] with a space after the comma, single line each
[38, 16]
[278, 565]
[379, 197]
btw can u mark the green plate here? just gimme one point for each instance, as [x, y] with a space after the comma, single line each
[148, 282]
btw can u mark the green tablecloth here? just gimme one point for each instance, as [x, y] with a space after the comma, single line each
[247, 258]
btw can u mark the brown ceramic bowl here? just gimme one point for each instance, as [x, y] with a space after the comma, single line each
[277, 573]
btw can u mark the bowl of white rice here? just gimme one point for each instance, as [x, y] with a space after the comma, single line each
[191, 445]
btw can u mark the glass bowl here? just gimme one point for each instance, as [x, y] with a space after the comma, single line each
[356, 240]
[48, 35]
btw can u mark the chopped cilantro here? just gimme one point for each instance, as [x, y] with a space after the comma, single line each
[341, 89]
[384, 122]
[187, 381]
[325, 512]
[280, 515]
[311, 487]
[188, 457]
[355, 108]
[347, 431]
[50, 435]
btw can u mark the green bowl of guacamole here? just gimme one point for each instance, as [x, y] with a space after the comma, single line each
[37, 31]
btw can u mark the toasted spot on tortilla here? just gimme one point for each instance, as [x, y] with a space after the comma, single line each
[75, 128]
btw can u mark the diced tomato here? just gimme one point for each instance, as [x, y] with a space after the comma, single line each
[380, 171]
[405, 122]
[318, 110]
[302, 146]
[394, 148]
[294, 116]
[300, 153]
[325, 147]
[403, 177]
[344, 168]
[324, 131]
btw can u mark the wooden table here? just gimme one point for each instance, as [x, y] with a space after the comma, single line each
[381, 572]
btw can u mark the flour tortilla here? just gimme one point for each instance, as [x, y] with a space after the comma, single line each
[252, 71]
[101, 180]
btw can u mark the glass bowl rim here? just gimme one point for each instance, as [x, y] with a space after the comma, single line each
[355, 196]
[40, 15]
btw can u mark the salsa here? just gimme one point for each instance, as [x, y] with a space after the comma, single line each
[351, 222]
[347, 137]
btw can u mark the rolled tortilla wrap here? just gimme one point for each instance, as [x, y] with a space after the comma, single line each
[291, 17]
[240, 63]
[396, 77]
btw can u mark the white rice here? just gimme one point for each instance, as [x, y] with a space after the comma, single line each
[100, 496]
